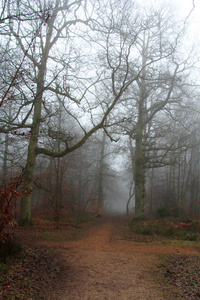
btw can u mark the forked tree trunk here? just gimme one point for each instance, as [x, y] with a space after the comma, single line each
[25, 209]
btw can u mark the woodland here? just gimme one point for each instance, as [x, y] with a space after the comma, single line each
[99, 109]
[99, 115]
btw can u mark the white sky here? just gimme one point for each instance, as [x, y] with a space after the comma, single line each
[185, 9]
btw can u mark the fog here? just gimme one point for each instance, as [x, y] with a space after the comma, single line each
[116, 198]
[115, 100]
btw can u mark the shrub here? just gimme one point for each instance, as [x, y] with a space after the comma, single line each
[142, 227]
[8, 196]
[163, 212]
[147, 231]
[9, 248]
[86, 218]
[190, 237]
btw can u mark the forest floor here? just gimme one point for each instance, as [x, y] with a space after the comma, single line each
[102, 262]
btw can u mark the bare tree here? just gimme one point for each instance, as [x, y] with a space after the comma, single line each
[42, 65]
[148, 70]
[122, 64]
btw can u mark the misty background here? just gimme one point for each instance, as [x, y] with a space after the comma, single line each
[100, 106]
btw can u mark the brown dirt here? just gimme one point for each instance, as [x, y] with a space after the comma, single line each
[100, 266]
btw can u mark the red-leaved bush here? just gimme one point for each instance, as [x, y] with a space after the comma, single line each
[8, 196]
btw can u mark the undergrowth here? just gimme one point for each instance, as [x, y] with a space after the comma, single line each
[71, 220]
[8, 249]
[79, 219]
[182, 272]
[184, 229]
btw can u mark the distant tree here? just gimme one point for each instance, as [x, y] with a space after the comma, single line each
[38, 74]
[121, 65]
[149, 71]
[170, 158]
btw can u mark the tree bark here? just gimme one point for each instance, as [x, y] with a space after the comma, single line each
[101, 169]
[25, 208]
[139, 148]
[139, 174]
[131, 193]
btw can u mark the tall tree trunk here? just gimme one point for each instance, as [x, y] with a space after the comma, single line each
[131, 193]
[139, 174]
[5, 157]
[139, 148]
[25, 208]
[101, 170]
[131, 188]
[6, 152]
[151, 192]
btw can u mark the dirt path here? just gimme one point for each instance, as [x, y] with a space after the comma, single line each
[100, 268]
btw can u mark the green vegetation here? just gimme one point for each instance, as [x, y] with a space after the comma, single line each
[163, 212]
[70, 220]
[72, 227]
[187, 229]
[80, 219]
